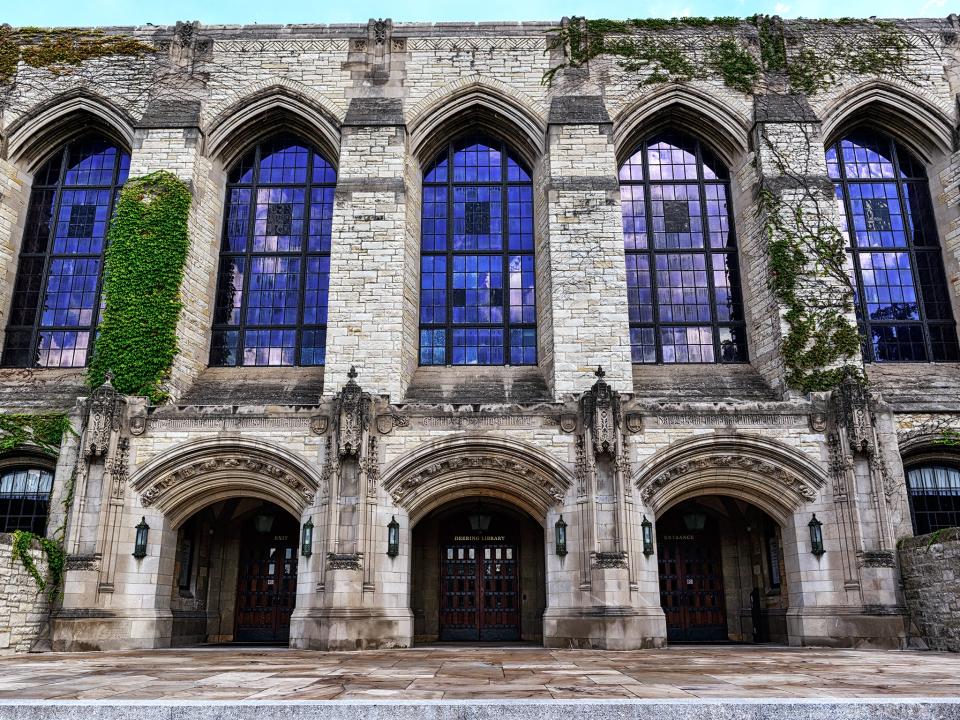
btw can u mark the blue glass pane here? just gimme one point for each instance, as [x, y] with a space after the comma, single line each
[91, 162]
[438, 173]
[82, 222]
[639, 294]
[725, 284]
[676, 215]
[520, 217]
[522, 293]
[672, 158]
[515, 173]
[523, 347]
[477, 218]
[833, 163]
[71, 294]
[682, 292]
[634, 211]
[323, 172]
[242, 170]
[223, 347]
[279, 222]
[274, 291]
[230, 291]
[888, 287]
[315, 293]
[321, 219]
[62, 348]
[433, 225]
[642, 346]
[269, 347]
[283, 162]
[898, 343]
[477, 289]
[718, 216]
[877, 215]
[238, 220]
[687, 344]
[478, 346]
[433, 345]
[433, 289]
[477, 162]
[867, 157]
[313, 348]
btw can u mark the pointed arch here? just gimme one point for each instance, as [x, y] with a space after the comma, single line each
[687, 108]
[188, 477]
[238, 122]
[905, 112]
[766, 472]
[471, 465]
[34, 136]
[477, 103]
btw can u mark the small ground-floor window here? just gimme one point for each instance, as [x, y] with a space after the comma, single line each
[934, 497]
[25, 499]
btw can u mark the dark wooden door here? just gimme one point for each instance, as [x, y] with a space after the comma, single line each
[479, 590]
[691, 581]
[266, 584]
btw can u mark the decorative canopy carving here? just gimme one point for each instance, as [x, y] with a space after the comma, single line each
[103, 418]
[481, 464]
[601, 415]
[774, 474]
[353, 416]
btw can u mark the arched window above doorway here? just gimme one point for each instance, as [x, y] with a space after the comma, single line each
[934, 491]
[477, 284]
[271, 304]
[56, 295]
[902, 300]
[683, 280]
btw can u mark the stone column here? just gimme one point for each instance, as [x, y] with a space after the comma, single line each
[588, 276]
[367, 252]
[14, 196]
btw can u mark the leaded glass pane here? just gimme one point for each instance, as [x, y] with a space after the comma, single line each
[24, 500]
[56, 295]
[934, 492]
[675, 191]
[274, 277]
[900, 288]
[477, 279]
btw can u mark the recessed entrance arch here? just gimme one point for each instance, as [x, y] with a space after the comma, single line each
[478, 573]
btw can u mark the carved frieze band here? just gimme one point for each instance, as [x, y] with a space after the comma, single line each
[274, 46]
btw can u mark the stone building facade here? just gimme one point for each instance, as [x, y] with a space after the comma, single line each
[429, 449]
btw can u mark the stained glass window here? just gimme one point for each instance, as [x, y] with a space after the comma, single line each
[476, 268]
[271, 304]
[56, 295]
[25, 499]
[683, 282]
[934, 492]
[902, 301]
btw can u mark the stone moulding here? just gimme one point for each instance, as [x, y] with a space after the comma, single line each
[471, 464]
[773, 475]
[190, 476]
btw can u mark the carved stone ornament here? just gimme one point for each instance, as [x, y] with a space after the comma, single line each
[105, 410]
[344, 561]
[353, 416]
[138, 425]
[852, 404]
[634, 423]
[733, 463]
[82, 562]
[226, 463]
[568, 423]
[601, 415]
[319, 424]
[818, 421]
[610, 559]
[877, 558]
[386, 423]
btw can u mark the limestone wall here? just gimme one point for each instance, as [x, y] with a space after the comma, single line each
[23, 609]
[930, 566]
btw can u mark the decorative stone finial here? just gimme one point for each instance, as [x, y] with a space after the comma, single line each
[600, 373]
[352, 374]
[108, 377]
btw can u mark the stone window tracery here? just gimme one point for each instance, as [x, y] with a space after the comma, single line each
[56, 297]
[271, 304]
[477, 286]
[902, 302]
[683, 281]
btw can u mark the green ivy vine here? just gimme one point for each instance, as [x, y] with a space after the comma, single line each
[145, 258]
[821, 345]
[834, 48]
[45, 430]
[59, 50]
[23, 542]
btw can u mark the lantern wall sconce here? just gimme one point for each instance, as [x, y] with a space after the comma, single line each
[647, 528]
[393, 537]
[306, 539]
[140, 539]
[561, 536]
[816, 536]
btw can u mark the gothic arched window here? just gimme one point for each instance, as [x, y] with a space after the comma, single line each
[477, 304]
[25, 499]
[902, 303]
[271, 305]
[683, 282]
[56, 296]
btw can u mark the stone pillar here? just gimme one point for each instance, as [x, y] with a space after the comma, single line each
[367, 252]
[14, 196]
[588, 276]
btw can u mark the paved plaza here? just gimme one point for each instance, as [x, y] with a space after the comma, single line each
[461, 673]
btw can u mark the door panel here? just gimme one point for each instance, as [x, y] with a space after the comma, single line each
[691, 582]
[266, 586]
[479, 591]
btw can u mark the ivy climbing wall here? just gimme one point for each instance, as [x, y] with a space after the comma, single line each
[24, 607]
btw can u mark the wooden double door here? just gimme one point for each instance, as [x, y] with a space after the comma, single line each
[479, 589]
[691, 580]
[267, 581]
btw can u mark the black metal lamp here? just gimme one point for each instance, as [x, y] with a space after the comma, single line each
[561, 532]
[816, 536]
[647, 528]
[306, 539]
[393, 537]
[140, 539]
